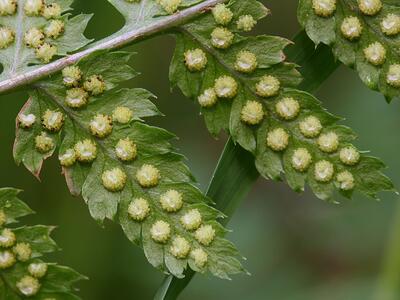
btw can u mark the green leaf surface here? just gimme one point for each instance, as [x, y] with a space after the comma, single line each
[57, 282]
[153, 149]
[17, 58]
[351, 52]
[226, 113]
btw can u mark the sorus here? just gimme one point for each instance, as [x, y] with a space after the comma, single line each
[148, 176]
[180, 247]
[28, 286]
[393, 75]
[7, 259]
[301, 159]
[114, 180]
[252, 113]
[33, 38]
[375, 54]
[51, 11]
[22, 251]
[268, 86]
[44, 143]
[324, 8]
[101, 126]
[208, 98]
[7, 238]
[370, 7]
[54, 29]
[345, 180]
[221, 38]
[191, 220]
[246, 62]
[246, 23]
[205, 234]
[328, 142]
[72, 75]
[122, 115]
[126, 150]
[46, 52]
[138, 209]
[226, 87]
[323, 171]
[26, 121]
[52, 120]
[287, 108]
[390, 25]
[171, 201]
[199, 256]
[160, 231]
[349, 155]
[278, 139]
[37, 270]
[86, 151]
[7, 37]
[76, 98]
[8, 7]
[195, 59]
[310, 127]
[170, 6]
[222, 14]
[68, 158]
[33, 7]
[95, 85]
[351, 28]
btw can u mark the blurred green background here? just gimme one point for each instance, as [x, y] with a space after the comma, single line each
[297, 247]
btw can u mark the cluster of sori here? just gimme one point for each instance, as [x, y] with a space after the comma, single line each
[172, 201]
[352, 29]
[170, 6]
[36, 38]
[328, 142]
[12, 251]
[226, 87]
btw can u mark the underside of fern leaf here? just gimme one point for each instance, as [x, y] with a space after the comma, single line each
[23, 274]
[364, 34]
[126, 171]
[32, 33]
[244, 86]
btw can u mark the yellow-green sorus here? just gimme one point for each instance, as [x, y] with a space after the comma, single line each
[148, 176]
[114, 180]
[52, 120]
[246, 23]
[278, 139]
[205, 234]
[160, 231]
[138, 209]
[226, 87]
[221, 38]
[28, 286]
[268, 86]
[86, 151]
[44, 143]
[101, 126]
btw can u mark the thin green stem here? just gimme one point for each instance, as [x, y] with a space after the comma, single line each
[235, 173]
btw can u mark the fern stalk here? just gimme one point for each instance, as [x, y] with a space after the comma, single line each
[118, 41]
[235, 173]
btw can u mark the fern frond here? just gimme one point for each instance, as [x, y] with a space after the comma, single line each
[364, 35]
[23, 273]
[126, 171]
[38, 33]
[286, 129]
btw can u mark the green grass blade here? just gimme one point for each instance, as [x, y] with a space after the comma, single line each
[235, 173]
